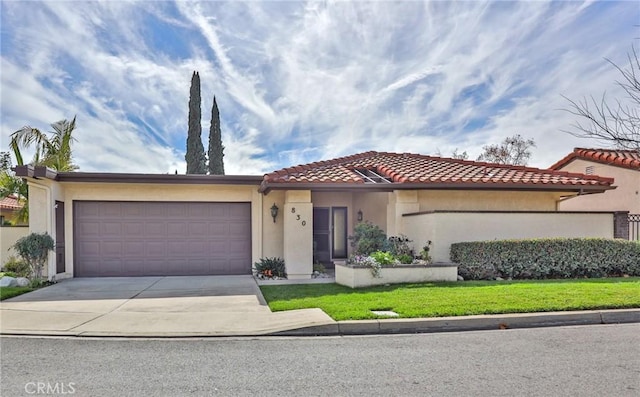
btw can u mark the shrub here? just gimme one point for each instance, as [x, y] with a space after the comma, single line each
[399, 245]
[547, 258]
[367, 238]
[319, 267]
[383, 258]
[17, 266]
[8, 274]
[271, 267]
[34, 250]
[424, 254]
[405, 259]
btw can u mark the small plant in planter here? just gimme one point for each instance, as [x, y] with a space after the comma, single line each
[384, 258]
[424, 254]
[405, 259]
[399, 245]
[270, 268]
[34, 250]
[363, 260]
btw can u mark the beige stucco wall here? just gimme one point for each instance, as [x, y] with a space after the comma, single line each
[8, 237]
[470, 200]
[373, 206]
[626, 197]
[42, 198]
[446, 228]
[273, 232]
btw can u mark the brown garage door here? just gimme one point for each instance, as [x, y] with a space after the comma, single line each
[161, 238]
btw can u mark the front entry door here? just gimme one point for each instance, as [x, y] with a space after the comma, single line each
[60, 260]
[329, 234]
[321, 235]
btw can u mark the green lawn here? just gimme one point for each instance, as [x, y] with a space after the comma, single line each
[10, 292]
[457, 299]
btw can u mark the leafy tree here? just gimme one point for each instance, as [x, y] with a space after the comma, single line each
[216, 149]
[34, 250]
[608, 122]
[196, 160]
[513, 150]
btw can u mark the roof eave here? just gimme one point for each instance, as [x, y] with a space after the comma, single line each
[37, 172]
[388, 187]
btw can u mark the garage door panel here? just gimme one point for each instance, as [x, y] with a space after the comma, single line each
[161, 238]
[88, 228]
[155, 228]
[176, 228]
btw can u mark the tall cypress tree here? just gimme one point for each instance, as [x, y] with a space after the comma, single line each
[216, 163]
[196, 160]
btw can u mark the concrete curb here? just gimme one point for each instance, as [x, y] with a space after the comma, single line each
[471, 323]
[391, 326]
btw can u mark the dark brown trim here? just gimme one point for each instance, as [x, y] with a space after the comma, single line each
[44, 172]
[88, 177]
[504, 212]
[24, 171]
[389, 187]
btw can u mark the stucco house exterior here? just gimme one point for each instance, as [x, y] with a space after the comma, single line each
[108, 224]
[622, 165]
[9, 206]
[10, 231]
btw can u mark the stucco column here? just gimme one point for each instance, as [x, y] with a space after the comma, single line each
[400, 202]
[298, 234]
[41, 220]
[621, 225]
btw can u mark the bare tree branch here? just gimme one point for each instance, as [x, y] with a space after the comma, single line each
[615, 123]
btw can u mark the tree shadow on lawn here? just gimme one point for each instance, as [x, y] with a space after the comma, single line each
[273, 292]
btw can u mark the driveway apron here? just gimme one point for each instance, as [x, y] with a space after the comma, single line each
[152, 307]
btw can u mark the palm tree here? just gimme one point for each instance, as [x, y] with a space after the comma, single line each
[51, 151]
[54, 151]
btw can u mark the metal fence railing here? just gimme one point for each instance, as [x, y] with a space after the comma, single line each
[634, 226]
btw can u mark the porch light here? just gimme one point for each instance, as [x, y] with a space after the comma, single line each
[274, 212]
[359, 215]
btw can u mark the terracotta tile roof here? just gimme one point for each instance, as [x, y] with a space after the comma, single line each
[621, 158]
[10, 203]
[416, 169]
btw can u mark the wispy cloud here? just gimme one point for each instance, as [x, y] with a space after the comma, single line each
[299, 82]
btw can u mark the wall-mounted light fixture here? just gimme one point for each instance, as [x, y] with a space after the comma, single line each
[359, 215]
[274, 212]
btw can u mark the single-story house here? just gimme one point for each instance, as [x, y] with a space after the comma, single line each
[10, 229]
[9, 207]
[622, 165]
[115, 224]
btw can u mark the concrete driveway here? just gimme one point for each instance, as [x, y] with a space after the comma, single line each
[152, 306]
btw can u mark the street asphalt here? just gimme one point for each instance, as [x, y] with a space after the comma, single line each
[226, 306]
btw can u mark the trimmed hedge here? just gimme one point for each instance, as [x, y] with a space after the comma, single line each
[546, 258]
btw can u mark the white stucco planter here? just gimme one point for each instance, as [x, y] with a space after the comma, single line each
[360, 276]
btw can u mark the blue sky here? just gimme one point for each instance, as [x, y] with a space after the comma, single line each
[303, 81]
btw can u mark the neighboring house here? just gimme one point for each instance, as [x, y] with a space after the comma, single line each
[9, 206]
[10, 231]
[135, 224]
[622, 165]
